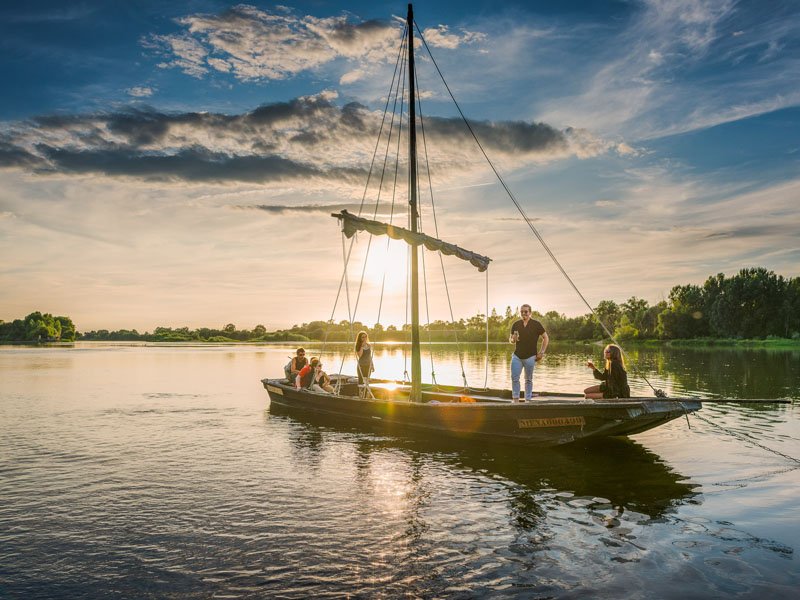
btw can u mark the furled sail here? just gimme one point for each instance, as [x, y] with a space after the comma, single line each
[351, 224]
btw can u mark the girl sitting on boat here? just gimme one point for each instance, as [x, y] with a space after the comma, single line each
[614, 378]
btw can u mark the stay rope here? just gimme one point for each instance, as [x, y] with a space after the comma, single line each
[394, 190]
[525, 217]
[343, 281]
[436, 230]
[746, 438]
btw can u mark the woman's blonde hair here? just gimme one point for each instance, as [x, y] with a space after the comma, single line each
[614, 354]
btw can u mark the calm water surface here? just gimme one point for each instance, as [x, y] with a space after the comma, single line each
[162, 472]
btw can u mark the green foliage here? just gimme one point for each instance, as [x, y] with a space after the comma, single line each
[38, 327]
[753, 304]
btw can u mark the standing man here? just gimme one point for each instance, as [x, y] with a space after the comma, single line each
[525, 336]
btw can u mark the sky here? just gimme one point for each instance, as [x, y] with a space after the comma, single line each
[175, 163]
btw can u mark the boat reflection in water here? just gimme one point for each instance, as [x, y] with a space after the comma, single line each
[610, 475]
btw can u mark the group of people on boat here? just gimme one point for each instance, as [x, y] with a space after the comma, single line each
[308, 374]
[525, 334]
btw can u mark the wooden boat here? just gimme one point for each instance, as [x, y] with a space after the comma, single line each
[549, 418]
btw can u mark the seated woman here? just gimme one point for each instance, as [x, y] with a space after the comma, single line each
[324, 381]
[311, 378]
[614, 378]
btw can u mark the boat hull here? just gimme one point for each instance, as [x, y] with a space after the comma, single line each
[488, 414]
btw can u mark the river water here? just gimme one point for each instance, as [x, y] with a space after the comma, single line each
[149, 471]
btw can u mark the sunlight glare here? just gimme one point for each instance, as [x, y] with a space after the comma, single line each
[389, 259]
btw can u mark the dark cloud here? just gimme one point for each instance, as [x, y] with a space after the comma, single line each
[14, 156]
[315, 208]
[506, 136]
[767, 230]
[305, 139]
[192, 164]
[367, 210]
[347, 34]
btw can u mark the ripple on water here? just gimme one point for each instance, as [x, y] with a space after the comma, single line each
[163, 492]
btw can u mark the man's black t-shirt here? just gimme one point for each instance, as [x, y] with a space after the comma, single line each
[528, 337]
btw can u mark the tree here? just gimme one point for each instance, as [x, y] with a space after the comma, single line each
[635, 309]
[791, 309]
[749, 304]
[626, 330]
[608, 313]
[67, 329]
[685, 316]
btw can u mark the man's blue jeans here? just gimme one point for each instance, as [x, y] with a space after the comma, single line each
[517, 364]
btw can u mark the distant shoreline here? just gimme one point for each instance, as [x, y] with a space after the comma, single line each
[775, 343]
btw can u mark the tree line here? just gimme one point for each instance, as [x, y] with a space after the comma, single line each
[38, 327]
[753, 304]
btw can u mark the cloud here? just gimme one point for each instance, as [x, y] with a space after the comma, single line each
[140, 91]
[185, 53]
[682, 65]
[352, 76]
[257, 45]
[12, 155]
[308, 139]
[440, 37]
[280, 209]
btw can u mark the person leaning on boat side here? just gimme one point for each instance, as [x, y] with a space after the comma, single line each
[364, 353]
[525, 336]
[614, 377]
[298, 362]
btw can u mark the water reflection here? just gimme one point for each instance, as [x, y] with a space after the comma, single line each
[608, 474]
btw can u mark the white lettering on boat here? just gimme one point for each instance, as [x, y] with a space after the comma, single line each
[551, 422]
[275, 390]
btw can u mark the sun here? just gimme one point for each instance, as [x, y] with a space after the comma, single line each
[387, 264]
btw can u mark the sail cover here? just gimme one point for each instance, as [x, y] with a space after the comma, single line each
[351, 224]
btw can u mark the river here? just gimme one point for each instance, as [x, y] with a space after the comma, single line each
[158, 471]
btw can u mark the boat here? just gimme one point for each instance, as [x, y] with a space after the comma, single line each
[464, 412]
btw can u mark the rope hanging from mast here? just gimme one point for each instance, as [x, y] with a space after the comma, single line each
[436, 230]
[524, 215]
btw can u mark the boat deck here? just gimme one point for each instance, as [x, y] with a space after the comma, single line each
[399, 393]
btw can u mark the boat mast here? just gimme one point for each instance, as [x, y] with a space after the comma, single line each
[416, 358]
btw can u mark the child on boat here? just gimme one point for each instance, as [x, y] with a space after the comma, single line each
[614, 377]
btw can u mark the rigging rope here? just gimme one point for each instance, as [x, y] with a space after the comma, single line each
[428, 316]
[345, 258]
[348, 254]
[380, 183]
[746, 438]
[436, 230]
[405, 348]
[486, 365]
[525, 216]
[394, 189]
